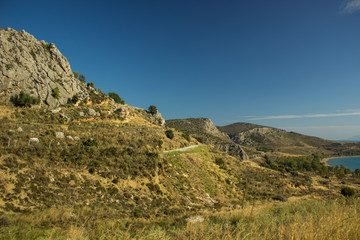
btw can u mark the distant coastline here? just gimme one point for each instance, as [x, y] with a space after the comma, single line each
[325, 160]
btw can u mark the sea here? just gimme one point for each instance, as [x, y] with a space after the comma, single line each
[349, 162]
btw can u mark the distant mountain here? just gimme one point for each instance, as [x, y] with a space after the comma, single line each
[278, 140]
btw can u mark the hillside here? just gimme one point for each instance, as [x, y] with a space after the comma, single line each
[205, 131]
[118, 161]
[278, 140]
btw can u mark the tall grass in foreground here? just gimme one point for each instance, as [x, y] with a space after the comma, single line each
[337, 219]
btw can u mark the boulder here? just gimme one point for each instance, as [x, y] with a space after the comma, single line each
[33, 141]
[92, 112]
[123, 112]
[59, 135]
[56, 110]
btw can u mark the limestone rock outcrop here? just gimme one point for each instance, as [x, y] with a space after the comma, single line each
[36, 68]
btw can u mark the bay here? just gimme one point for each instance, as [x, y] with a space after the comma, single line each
[349, 162]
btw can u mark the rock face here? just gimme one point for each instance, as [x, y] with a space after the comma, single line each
[36, 68]
[157, 119]
[153, 118]
[196, 125]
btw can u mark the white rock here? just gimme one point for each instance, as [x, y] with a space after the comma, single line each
[34, 140]
[56, 110]
[59, 135]
[92, 112]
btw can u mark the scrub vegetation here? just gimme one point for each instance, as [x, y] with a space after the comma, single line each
[105, 174]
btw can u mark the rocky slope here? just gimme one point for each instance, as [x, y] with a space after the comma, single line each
[37, 68]
[204, 130]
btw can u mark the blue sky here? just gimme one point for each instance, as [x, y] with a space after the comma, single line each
[282, 63]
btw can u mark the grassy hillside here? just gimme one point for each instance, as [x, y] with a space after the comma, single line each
[111, 174]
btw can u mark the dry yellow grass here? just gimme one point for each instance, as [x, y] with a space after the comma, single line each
[302, 219]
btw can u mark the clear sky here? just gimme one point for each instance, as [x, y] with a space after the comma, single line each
[292, 64]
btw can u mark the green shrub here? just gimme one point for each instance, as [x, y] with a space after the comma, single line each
[199, 139]
[116, 97]
[91, 84]
[75, 99]
[55, 93]
[348, 192]
[169, 134]
[219, 161]
[48, 46]
[24, 99]
[90, 142]
[97, 97]
[279, 198]
[153, 110]
[76, 75]
[82, 78]
[9, 66]
[186, 137]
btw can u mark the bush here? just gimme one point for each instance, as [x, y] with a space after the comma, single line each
[348, 192]
[90, 142]
[55, 93]
[279, 198]
[48, 46]
[219, 161]
[75, 99]
[153, 110]
[186, 136]
[169, 134]
[116, 97]
[82, 78]
[199, 139]
[91, 84]
[76, 75]
[25, 100]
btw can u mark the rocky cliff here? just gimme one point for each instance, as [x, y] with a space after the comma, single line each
[36, 68]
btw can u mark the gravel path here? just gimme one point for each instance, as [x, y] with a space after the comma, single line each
[181, 149]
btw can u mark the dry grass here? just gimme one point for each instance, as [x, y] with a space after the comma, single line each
[305, 219]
